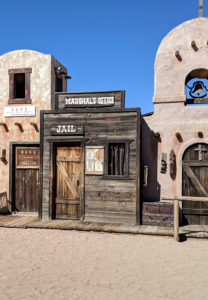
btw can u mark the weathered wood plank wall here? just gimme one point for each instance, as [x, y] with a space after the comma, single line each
[105, 199]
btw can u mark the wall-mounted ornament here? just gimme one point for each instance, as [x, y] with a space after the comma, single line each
[200, 134]
[194, 46]
[172, 165]
[3, 156]
[19, 125]
[35, 126]
[5, 126]
[163, 163]
[178, 56]
[179, 137]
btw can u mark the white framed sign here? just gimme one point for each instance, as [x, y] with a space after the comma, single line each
[94, 160]
[20, 111]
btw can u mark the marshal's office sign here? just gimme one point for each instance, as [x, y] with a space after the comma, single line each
[87, 100]
[67, 129]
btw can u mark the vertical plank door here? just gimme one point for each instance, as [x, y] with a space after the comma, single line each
[26, 193]
[195, 184]
[68, 185]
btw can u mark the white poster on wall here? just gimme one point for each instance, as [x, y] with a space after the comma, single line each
[19, 111]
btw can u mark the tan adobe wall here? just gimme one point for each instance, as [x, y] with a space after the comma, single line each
[42, 87]
[171, 115]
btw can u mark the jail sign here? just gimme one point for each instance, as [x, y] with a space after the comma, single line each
[67, 129]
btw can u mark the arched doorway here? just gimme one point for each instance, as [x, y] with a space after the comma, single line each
[195, 183]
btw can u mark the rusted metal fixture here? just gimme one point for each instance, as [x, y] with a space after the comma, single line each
[3, 156]
[200, 134]
[19, 125]
[35, 126]
[5, 126]
[194, 46]
[178, 56]
[156, 134]
[62, 72]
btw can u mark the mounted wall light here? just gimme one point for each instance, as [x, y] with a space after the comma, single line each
[194, 46]
[3, 156]
[19, 125]
[60, 71]
[35, 126]
[178, 56]
[156, 134]
[5, 126]
[200, 134]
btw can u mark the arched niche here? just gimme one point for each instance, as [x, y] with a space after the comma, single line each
[196, 87]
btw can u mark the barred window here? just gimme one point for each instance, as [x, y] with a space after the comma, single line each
[117, 159]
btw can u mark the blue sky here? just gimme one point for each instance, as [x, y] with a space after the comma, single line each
[105, 44]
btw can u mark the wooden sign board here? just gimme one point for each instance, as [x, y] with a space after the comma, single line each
[67, 129]
[27, 157]
[20, 111]
[88, 100]
[94, 161]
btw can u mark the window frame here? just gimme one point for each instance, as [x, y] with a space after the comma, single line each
[12, 99]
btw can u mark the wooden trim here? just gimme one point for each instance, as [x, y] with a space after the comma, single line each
[176, 220]
[19, 101]
[27, 99]
[82, 194]
[20, 70]
[138, 192]
[195, 211]
[186, 198]
[88, 110]
[116, 177]
[192, 163]
[12, 146]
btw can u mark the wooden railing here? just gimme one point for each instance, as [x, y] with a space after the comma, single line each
[176, 210]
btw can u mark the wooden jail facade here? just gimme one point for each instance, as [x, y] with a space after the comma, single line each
[90, 159]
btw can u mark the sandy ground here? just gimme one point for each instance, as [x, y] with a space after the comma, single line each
[53, 264]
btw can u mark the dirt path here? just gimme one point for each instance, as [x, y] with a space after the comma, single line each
[53, 264]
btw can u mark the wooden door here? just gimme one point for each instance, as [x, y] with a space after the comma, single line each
[68, 182]
[26, 193]
[195, 183]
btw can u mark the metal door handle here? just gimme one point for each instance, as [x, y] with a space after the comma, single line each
[78, 182]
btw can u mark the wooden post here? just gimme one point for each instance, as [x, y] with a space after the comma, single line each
[176, 220]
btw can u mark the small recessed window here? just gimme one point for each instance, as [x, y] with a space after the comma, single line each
[19, 85]
[117, 159]
[59, 84]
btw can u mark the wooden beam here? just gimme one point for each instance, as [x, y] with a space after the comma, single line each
[176, 220]
[186, 198]
[200, 8]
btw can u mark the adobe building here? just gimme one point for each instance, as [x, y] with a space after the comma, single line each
[175, 136]
[29, 80]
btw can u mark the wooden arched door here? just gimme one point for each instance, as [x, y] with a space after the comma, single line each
[195, 183]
